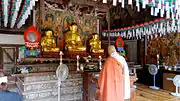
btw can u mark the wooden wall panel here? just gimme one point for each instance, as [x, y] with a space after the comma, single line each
[168, 84]
[132, 50]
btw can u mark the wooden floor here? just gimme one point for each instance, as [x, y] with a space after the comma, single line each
[143, 93]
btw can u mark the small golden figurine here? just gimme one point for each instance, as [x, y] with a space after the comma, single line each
[95, 44]
[73, 40]
[48, 42]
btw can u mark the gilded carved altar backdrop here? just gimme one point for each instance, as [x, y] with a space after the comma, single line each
[59, 22]
[167, 46]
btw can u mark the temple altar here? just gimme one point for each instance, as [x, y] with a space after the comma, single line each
[41, 83]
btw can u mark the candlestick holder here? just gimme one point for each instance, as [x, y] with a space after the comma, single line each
[77, 63]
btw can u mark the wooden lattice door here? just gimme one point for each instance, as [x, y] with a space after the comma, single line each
[8, 58]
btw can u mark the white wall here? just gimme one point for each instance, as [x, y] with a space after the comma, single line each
[11, 39]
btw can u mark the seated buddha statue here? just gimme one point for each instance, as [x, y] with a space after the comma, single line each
[48, 42]
[95, 44]
[73, 40]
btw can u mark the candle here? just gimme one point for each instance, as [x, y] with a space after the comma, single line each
[77, 63]
[100, 64]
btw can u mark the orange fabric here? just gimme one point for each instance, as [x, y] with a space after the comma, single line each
[111, 81]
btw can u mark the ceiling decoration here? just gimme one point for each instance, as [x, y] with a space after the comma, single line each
[15, 12]
[166, 8]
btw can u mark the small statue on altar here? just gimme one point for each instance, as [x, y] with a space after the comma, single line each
[73, 40]
[95, 44]
[48, 42]
[172, 59]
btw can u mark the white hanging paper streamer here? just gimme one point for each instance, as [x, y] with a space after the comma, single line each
[152, 8]
[130, 2]
[177, 7]
[160, 4]
[162, 9]
[138, 6]
[167, 6]
[162, 12]
[128, 34]
[156, 11]
[149, 33]
[122, 34]
[120, 1]
[104, 1]
[161, 29]
[125, 34]
[173, 26]
[18, 3]
[122, 4]
[27, 13]
[141, 32]
[152, 11]
[145, 31]
[173, 17]
[119, 34]
[156, 28]
[115, 34]
[6, 9]
[133, 34]
[178, 25]
[137, 32]
[168, 27]
[153, 3]
[167, 14]
[114, 2]
[144, 4]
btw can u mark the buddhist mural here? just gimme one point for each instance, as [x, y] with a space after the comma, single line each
[166, 46]
[59, 22]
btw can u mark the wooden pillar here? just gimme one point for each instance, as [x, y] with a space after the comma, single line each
[1, 58]
[145, 49]
[108, 21]
[42, 10]
[34, 17]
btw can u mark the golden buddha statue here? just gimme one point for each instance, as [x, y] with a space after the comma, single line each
[48, 42]
[95, 44]
[73, 40]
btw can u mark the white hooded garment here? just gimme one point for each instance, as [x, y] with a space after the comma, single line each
[121, 59]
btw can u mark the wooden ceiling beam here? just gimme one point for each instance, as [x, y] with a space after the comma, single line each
[99, 5]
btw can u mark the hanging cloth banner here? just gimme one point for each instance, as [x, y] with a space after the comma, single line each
[5, 7]
[13, 6]
[23, 10]
[15, 14]
[27, 13]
